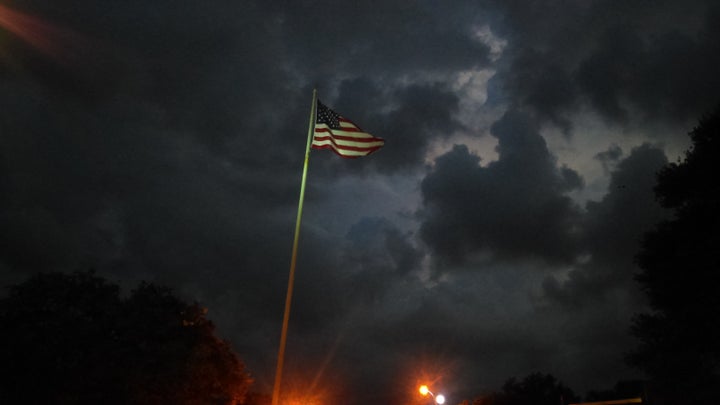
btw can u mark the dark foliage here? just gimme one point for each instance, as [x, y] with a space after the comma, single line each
[72, 339]
[680, 340]
[536, 389]
[622, 390]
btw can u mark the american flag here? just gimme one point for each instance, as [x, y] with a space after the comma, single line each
[333, 131]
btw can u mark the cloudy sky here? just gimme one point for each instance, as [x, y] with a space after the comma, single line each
[493, 236]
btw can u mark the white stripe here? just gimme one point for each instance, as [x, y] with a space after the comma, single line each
[345, 152]
[347, 125]
[343, 133]
[342, 142]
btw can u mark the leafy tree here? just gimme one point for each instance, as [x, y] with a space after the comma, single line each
[535, 389]
[622, 390]
[680, 339]
[72, 339]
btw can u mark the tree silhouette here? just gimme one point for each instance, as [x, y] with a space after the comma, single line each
[536, 389]
[680, 339]
[623, 389]
[72, 339]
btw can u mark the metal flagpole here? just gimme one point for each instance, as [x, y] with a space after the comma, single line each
[293, 260]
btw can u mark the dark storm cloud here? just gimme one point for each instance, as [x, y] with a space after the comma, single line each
[70, 154]
[545, 85]
[351, 273]
[423, 112]
[167, 143]
[514, 207]
[376, 242]
[613, 228]
[620, 58]
[614, 225]
[380, 38]
[598, 296]
[170, 151]
[610, 157]
[197, 66]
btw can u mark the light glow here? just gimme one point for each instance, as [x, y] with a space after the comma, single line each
[58, 42]
[440, 399]
[424, 390]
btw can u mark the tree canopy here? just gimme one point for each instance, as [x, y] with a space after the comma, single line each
[535, 388]
[73, 338]
[680, 339]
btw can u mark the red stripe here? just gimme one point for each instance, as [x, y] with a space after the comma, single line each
[355, 148]
[345, 138]
[343, 119]
[369, 151]
[346, 129]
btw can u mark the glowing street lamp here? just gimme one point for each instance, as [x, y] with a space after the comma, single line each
[439, 398]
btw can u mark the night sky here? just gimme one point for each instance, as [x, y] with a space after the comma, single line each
[491, 237]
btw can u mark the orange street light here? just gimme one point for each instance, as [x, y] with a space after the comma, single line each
[439, 398]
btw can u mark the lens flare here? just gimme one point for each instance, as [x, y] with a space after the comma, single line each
[58, 42]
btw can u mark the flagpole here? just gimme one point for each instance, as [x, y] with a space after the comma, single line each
[293, 260]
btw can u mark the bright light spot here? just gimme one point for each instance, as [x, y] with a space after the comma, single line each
[440, 399]
[424, 390]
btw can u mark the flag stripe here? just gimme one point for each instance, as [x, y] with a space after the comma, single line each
[345, 126]
[341, 135]
[326, 133]
[348, 153]
[346, 123]
[320, 133]
[341, 145]
[346, 144]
